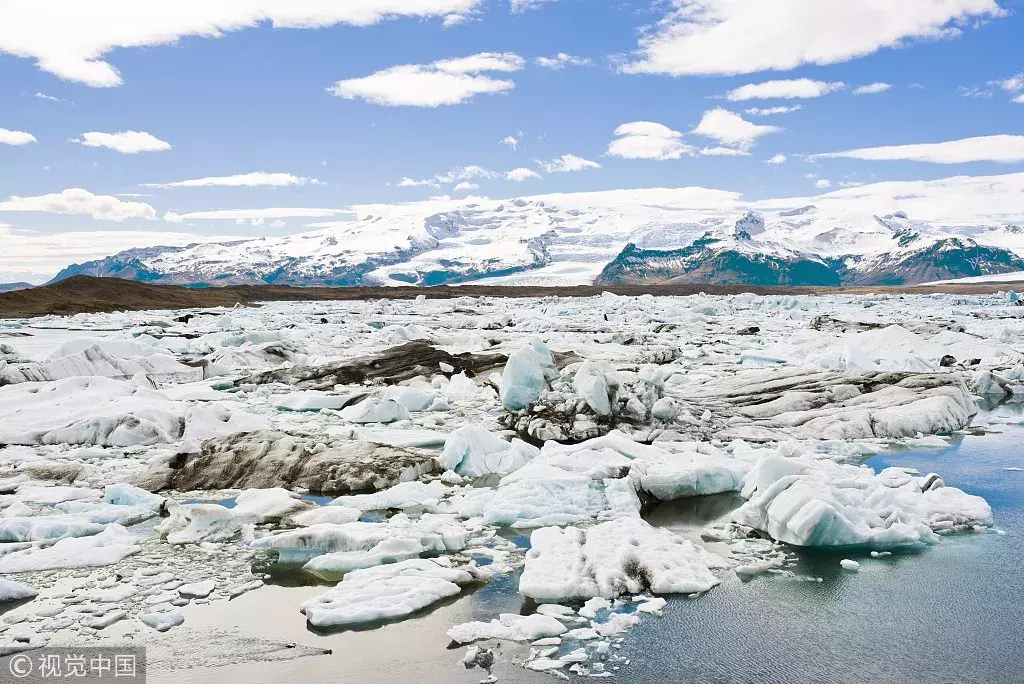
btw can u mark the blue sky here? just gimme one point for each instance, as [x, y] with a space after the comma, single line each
[257, 99]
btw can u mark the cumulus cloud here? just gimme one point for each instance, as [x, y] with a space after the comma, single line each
[79, 201]
[125, 142]
[803, 88]
[256, 179]
[567, 163]
[648, 140]
[465, 185]
[746, 36]
[560, 61]
[16, 138]
[731, 129]
[823, 183]
[445, 82]
[992, 148]
[1013, 84]
[511, 141]
[71, 39]
[871, 89]
[776, 159]
[771, 111]
[521, 174]
[1018, 100]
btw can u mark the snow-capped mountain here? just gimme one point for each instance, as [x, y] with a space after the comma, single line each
[687, 235]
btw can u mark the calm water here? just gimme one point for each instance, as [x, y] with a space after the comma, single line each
[952, 613]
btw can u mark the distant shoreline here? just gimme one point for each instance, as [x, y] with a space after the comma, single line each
[87, 294]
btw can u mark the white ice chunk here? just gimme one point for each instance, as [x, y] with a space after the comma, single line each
[15, 591]
[385, 592]
[525, 375]
[402, 495]
[508, 626]
[624, 556]
[809, 502]
[474, 451]
[106, 548]
[372, 411]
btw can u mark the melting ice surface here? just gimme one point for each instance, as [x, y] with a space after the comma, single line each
[534, 509]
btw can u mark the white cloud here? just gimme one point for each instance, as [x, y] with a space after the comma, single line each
[567, 163]
[511, 141]
[70, 39]
[1013, 84]
[125, 142]
[79, 201]
[974, 92]
[724, 152]
[746, 36]
[413, 183]
[871, 89]
[457, 175]
[253, 216]
[991, 148]
[256, 179]
[731, 129]
[850, 184]
[16, 138]
[803, 88]
[524, 5]
[521, 174]
[771, 111]
[776, 159]
[561, 60]
[823, 183]
[648, 140]
[445, 82]
[464, 185]
[44, 96]
[464, 173]
[1019, 99]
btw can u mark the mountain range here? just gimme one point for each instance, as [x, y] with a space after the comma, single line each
[604, 238]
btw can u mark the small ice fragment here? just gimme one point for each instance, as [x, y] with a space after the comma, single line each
[162, 622]
[851, 565]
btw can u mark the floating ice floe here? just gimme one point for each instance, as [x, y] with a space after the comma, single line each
[333, 549]
[15, 591]
[108, 547]
[808, 502]
[195, 523]
[385, 592]
[623, 556]
[509, 627]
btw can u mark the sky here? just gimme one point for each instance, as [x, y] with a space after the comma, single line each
[127, 124]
